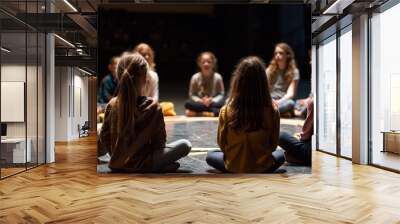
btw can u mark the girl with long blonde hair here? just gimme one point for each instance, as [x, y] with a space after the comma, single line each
[134, 130]
[283, 77]
[150, 88]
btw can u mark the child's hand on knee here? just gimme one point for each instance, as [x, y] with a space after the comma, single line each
[297, 135]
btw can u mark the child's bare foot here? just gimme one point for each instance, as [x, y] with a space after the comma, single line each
[190, 113]
[207, 114]
[298, 113]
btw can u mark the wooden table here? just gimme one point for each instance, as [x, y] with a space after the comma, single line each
[391, 141]
[14, 150]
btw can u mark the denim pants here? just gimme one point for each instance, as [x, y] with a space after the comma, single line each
[216, 160]
[286, 106]
[296, 151]
[199, 107]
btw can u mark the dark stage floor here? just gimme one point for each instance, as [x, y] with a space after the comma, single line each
[202, 132]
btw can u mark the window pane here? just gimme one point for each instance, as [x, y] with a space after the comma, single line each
[385, 83]
[15, 150]
[327, 96]
[346, 94]
[31, 97]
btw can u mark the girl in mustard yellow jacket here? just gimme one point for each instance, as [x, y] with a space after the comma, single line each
[248, 130]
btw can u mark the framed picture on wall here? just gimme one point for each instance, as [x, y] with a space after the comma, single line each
[13, 101]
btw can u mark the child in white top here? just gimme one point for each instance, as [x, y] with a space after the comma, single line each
[150, 89]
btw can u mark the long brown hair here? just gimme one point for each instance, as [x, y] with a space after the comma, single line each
[249, 97]
[131, 69]
[290, 64]
[143, 46]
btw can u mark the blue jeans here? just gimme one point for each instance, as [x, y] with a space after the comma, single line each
[296, 151]
[216, 160]
[199, 107]
[286, 106]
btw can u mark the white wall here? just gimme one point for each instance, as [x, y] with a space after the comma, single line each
[9, 73]
[61, 103]
[12, 73]
[71, 102]
[81, 103]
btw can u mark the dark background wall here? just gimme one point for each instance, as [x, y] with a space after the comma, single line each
[178, 33]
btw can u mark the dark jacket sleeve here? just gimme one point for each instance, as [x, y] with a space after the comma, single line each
[160, 136]
[109, 89]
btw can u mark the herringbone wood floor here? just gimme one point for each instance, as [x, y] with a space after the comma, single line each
[70, 191]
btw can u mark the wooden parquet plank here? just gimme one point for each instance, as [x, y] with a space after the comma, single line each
[70, 191]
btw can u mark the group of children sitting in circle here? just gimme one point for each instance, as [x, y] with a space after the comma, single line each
[133, 130]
